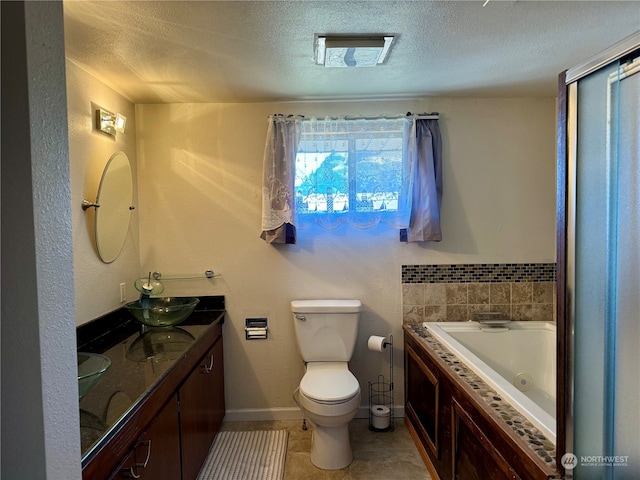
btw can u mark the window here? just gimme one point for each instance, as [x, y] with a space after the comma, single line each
[355, 171]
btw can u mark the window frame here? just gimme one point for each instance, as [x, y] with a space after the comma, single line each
[352, 153]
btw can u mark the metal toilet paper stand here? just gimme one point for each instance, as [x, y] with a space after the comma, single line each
[381, 397]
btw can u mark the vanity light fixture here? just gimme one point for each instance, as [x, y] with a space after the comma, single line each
[121, 121]
[109, 122]
[351, 51]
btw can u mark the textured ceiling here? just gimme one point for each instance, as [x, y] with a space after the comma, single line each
[254, 51]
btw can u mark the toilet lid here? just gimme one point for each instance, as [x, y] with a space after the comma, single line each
[329, 386]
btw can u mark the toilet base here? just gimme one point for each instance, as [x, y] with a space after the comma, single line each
[330, 443]
[330, 447]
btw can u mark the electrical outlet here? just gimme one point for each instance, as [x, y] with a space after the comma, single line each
[123, 292]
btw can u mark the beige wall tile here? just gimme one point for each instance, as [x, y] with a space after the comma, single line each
[413, 294]
[456, 293]
[435, 313]
[500, 293]
[434, 294]
[521, 293]
[478, 293]
[412, 314]
[503, 309]
[521, 313]
[543, 292]
[477, 308]
[457, 313]
[542, 312]
[438, 302]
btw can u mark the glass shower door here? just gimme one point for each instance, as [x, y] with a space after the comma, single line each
[606, 275]
[626, 128]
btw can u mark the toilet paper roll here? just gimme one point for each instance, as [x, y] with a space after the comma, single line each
[380, 416]
[376, 343]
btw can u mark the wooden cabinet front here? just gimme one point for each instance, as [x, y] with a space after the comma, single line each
[474, 455]
[422, 399]
[455, 431]
[201, 410]
[156, 455]
[428, 409]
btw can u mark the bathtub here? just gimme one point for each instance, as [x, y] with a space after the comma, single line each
[520, 364]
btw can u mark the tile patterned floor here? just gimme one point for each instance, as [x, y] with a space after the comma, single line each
[377, 455]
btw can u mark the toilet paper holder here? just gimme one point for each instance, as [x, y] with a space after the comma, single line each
[256, 329]
[381, 398]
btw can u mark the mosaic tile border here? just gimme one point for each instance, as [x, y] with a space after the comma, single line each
[479, 273]
[536, 441]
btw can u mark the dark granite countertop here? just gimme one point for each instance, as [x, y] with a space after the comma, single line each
[140, 357]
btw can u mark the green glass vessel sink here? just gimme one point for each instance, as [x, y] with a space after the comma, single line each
[160, 344]
[162, 312]
[91, 366]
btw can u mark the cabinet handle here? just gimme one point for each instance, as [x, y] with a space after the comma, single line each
[146, 460]
[132, 472]
[208, 369]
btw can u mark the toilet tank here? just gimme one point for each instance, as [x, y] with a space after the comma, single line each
[326, 330]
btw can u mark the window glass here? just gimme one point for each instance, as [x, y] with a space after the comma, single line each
[350, 172]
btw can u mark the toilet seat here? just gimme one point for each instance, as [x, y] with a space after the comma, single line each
[329, 383]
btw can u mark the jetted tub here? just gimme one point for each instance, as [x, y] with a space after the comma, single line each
[519, 363]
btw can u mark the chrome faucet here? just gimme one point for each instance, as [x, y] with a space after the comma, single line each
[147, 290]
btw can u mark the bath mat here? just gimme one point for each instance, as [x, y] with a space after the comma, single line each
[256, 455]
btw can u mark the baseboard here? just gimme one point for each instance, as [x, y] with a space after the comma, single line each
[286, 413]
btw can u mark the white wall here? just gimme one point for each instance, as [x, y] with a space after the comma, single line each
[40, 421]
[200, 168]
[97, 285]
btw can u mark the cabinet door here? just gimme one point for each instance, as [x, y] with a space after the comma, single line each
[218, 405]
[423, 400]
[474, 456]
[201, 410]
[128, 469]
[157, 452]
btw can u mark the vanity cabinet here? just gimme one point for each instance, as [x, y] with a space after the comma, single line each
[157, 452]
[167, 432]
[201, 410]
[458, 435]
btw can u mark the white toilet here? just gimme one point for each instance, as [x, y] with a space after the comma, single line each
[329, 394]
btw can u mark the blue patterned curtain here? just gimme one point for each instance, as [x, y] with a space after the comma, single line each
[427, 184]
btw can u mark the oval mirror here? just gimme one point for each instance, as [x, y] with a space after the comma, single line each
[115, 200]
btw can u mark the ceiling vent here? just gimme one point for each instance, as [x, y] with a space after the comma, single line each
[351, 51]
